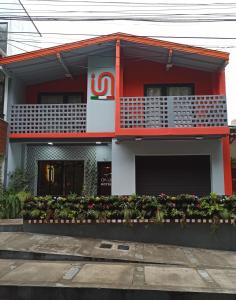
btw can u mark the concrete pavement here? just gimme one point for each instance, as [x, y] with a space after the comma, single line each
[117, 276]
[115, 265]
[95, 249]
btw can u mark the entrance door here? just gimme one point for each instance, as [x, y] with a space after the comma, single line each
[173, 175]
[60, 177]
[104, 178]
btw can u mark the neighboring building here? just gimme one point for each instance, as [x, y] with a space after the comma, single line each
[3, 124]
[119, 114]
[233, 153]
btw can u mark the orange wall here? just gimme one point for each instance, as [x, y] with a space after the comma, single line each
[137, 74]
[78, 84]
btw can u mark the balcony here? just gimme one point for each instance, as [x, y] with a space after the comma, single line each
[48, 118]
[173, 111]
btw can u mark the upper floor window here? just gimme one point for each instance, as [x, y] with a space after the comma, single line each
[3, 37]
[2, 78]
[60, 98]
[158, 90]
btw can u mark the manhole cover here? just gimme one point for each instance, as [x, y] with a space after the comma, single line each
[105, 246]
[123, 247]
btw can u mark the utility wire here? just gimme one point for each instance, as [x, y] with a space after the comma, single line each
[30, 18]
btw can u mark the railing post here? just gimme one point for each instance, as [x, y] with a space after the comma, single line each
[117, 89]
[171, 114]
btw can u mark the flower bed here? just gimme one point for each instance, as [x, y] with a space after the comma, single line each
[131, 209]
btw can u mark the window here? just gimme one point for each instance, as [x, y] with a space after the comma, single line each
[3, 37]
[158, 90]
[60, 178]
[2, 79]
[60, 98]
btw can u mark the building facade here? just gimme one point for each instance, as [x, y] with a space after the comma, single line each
[119, 114]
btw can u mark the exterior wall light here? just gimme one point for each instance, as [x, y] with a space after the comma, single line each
[50, 143]
[98, 143]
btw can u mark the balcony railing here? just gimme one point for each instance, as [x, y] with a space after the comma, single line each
[48, 118]
[173, 111]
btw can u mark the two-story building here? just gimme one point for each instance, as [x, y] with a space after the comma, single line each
[119, 114]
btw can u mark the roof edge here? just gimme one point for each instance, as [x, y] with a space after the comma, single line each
[112, 37]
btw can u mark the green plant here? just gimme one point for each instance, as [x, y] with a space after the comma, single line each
[10, 206]
[19, 180]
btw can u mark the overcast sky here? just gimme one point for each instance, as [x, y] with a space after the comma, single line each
[170, 11]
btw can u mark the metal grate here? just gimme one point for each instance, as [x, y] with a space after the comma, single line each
[42, 118]
[173, 111]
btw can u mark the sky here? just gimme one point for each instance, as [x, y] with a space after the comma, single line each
[164, 19]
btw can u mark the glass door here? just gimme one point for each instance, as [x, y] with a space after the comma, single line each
[60, 177]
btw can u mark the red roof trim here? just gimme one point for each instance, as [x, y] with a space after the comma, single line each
[109, 38]
[188, 131]
[68, 135]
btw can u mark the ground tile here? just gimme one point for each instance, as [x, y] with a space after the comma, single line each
[172, 276]
[105, 274]
[226, 278]
[36, 272]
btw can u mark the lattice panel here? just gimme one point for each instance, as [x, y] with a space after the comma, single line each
[45, 152]
[40, 118]
[150, 112]
[173, 111]
[199, 111]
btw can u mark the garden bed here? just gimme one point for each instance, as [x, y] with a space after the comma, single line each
[186, 220]
[193, 233]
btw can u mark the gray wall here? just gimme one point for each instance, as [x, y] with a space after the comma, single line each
[233, 150]
[15, 95]
[100, 113]
[123, 160]
[15, 152]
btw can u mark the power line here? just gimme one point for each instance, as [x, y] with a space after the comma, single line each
[29, 17]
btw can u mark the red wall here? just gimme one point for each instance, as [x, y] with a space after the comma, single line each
[78, 84]
[3, 136]
[137, 74]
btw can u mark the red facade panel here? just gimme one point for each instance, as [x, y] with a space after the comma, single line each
[139, 73]
[3, 136]
[78, 84]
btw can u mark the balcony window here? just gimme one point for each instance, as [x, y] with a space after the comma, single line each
[60, 98]
[157, 90]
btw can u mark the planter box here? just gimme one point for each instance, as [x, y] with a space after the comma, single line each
[192, 233]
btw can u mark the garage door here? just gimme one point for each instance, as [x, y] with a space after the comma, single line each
[173, 175]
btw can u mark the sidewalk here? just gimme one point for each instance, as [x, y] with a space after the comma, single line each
[117, 265]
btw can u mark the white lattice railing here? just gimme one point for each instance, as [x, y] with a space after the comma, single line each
[42, 118]
[173, 111]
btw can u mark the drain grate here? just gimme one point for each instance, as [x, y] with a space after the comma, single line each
[105, 246]
[123, 247]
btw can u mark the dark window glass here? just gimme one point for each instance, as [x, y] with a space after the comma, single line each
[104, 178]
[3, 37]
[60, 177]
[157, 90]
[60, 98]
[2, 79]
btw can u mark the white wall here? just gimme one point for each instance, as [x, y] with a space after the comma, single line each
[100, 113]
[123, 160]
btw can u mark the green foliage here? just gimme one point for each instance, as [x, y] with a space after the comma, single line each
[130, 207]
[10, 206]
[19, 180]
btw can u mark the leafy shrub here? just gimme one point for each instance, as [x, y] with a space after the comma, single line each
[130, 207]
[19, 180]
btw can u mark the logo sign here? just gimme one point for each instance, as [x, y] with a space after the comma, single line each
[101, 85]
